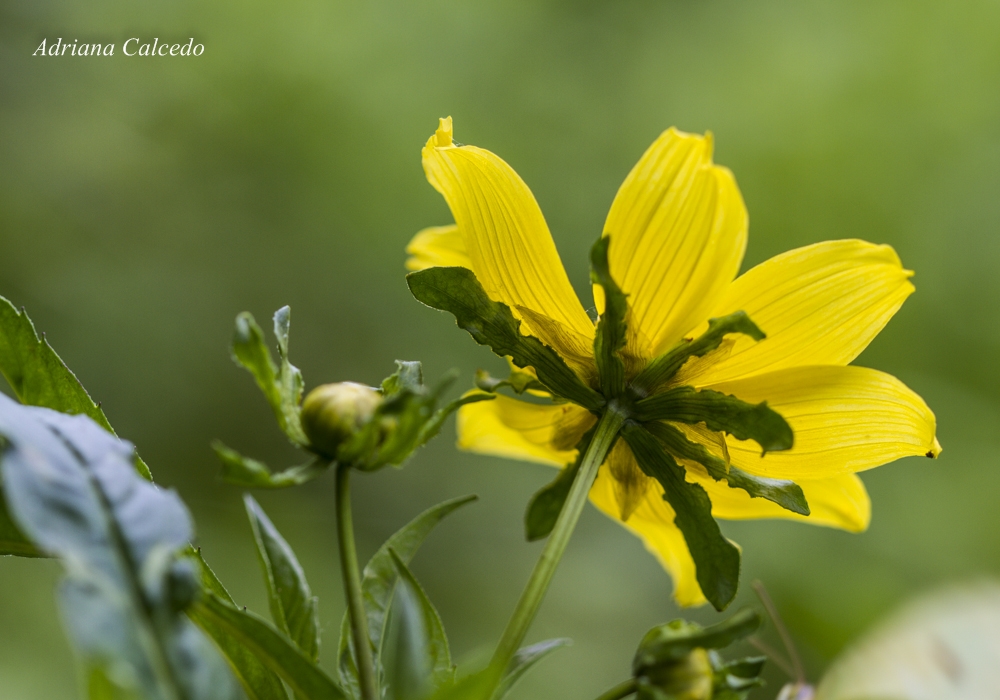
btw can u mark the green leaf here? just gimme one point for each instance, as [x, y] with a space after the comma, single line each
[523, 660]
[667, 365]
[669, 643]
[457, 291]
[293, 606]
[423, 660]
[39, 377]
[735, 679]
[547, 503]
[518, 380]
[721, 412]
[432, 427]
[258, 681]
[249, 473]
[716, 559]
[274, 650]
[379, 581]
[73, 488]
[282, 386]
[611, 328]
[786, 494]
[409, 376]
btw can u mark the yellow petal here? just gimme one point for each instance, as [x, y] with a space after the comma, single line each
[678, 230]
[840, 501]
[507, 240]
[437, 246]
[653, 522]
[630, 484]
[845, 419]
[576, 349]
[506, 427]
[819, 305]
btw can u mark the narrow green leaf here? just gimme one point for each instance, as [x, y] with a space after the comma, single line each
[379, 581]
[547, 503]
[518, 380]
[609, 338]
[423, 658]
[718, 411]
[73, 488]
[282, 387]
[716, 559]
[293, 606]
[275, 650]
[39, 377]
[457, 291]
[669, 643]
[523, 660]
[249, 473]
[667, 365]
[786, 494]
[433, 426]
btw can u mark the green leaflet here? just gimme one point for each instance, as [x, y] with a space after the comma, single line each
[786, 494]
[457, 291]
[610, 335]
[273, 649]
[379, 581]
[666, 365]
[39, 377]
[518, 380]
[717, 561]
[665, 644]
[249, 473]
[734, 680]
[719, 412]
[73, 487]
[282, 384]
[293, 606]
[523, 660]
[423, 660]
[547, 503]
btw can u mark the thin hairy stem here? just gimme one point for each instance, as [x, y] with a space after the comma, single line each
[786, 638]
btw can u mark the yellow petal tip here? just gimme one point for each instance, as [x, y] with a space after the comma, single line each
[935, 450]
[444, 133]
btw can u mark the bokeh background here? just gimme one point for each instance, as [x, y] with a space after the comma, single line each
[144, 202]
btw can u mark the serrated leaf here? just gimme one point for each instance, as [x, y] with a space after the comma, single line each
[547, 503]
[423, 660]
[721, 412]
[293, 606]
[716, 559]
[523, 660]
[785, 493]
[379, 581]
[609, 338]
[669, 643]
[249, 473]
[73, 488]
[274, 650]
[667, 365]
[39, 377]
[281, 386]
[492, 323]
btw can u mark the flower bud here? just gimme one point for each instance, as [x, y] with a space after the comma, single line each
[332, 413]
[688, 678]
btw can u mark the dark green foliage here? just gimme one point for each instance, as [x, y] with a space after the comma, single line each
[609, 338]
[547, 503]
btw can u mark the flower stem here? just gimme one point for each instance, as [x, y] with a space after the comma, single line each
[352, 586]
[604, 437]
[622, 690]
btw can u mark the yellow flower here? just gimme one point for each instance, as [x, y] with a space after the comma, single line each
[675, 238]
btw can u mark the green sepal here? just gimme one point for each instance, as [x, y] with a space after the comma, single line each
[423, 659]
[733, 680]
[379, 582]
[786, 494]
[667, 365]
[547, 503]
[40, 378]
[669, 643]
[720, 412]
[492, 323]
[523, 660]
[518, 381]
[716, 559]
[609, 338]
[281, 384]
[249, 473]
[293, 606]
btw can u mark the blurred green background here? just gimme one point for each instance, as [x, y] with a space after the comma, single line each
[144, 202]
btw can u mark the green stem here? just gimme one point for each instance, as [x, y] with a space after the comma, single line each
[622, 690]
[352, 587]
[604, 437]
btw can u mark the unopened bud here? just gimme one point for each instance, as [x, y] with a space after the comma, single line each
[332, 413]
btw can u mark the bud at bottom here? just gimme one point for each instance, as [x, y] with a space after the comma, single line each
[332, 413]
